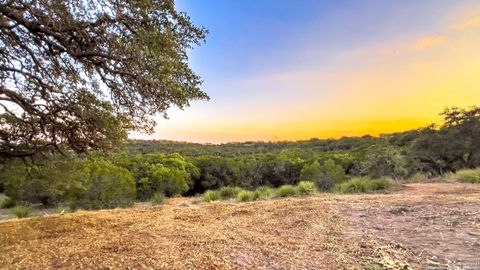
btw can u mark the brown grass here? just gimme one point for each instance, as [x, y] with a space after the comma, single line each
[317, 232]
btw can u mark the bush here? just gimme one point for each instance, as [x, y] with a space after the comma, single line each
[211, 195]
[356, 185]
[286, 191]
[264, 192]
[171, 174]
[22, 211]
[229, 192]
[106, 186]
[8, 203]
[47, 182]
[419, 177]
[245, 196]
[159, 198]
[325, 176]
[306, 188]
[362, 185]
[379, 184]
[467, 176]
[384, 161]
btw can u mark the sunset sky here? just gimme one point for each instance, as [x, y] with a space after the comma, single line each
[298, 69]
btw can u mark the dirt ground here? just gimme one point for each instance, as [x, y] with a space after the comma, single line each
[423, 224]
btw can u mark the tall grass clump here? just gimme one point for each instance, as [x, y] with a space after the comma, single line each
[7, 203]
[159, 198]
[363, 185]
[306, 188]
[264, 192]
[286, 191]
[211, 195]
[246, 195]
[467, 176]
[355, 185]
[22, 211]
[379, 184]
[229, 192]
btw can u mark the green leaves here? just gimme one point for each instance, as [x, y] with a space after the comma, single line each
[170, 174]
[81, 74]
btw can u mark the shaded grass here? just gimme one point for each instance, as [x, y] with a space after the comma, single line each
[229, 192]
[7, 203]
[159, 198]
[22, 211]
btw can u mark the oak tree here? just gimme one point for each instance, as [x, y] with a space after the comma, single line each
[79, 74]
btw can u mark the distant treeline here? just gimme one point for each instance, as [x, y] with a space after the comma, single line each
[436, 149]
[146, 168]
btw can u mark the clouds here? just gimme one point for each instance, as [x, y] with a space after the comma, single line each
[391, 67]
[427, 42]
[466, 24]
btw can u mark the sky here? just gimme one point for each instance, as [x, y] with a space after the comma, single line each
[300, 69]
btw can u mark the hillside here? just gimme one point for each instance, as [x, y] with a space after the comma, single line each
[424, 223]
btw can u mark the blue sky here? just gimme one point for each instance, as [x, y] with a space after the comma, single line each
[269, 66]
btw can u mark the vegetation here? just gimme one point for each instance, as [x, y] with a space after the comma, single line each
[77, 75]
[104, 186]
[159, 198]
[264, 192]
[220, 172]
[365, 184]
[229, 192]
[286, 191]
[22, 211]
[325, 176]
[246, 195]
[466, 176]
[7, 203]
[211, 195]
[306, 188]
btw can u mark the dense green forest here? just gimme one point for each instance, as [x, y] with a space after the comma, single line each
[142, 169]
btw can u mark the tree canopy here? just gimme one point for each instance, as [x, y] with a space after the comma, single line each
[79, 74]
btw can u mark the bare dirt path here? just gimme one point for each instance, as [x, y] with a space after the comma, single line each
[438, 223]
[374, 231]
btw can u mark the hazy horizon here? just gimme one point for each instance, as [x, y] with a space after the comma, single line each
[304, 69]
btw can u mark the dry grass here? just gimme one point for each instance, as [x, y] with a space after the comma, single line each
[296, 233]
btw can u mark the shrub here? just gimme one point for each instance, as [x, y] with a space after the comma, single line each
[211, 195]
[306, 188]
[356, 185]
[159, 198]
[47, 182]
[264, 192]
[7, 203]
[379, 184]
[22, 211]
[419, 177]
[106, 186]
[286, 191]
[325, 176]
[171, 174]
[245, 196]
[229, 192]
[467, 176]
[362, 185]
[384, 161]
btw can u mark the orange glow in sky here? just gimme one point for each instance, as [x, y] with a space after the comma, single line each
[385, 83]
